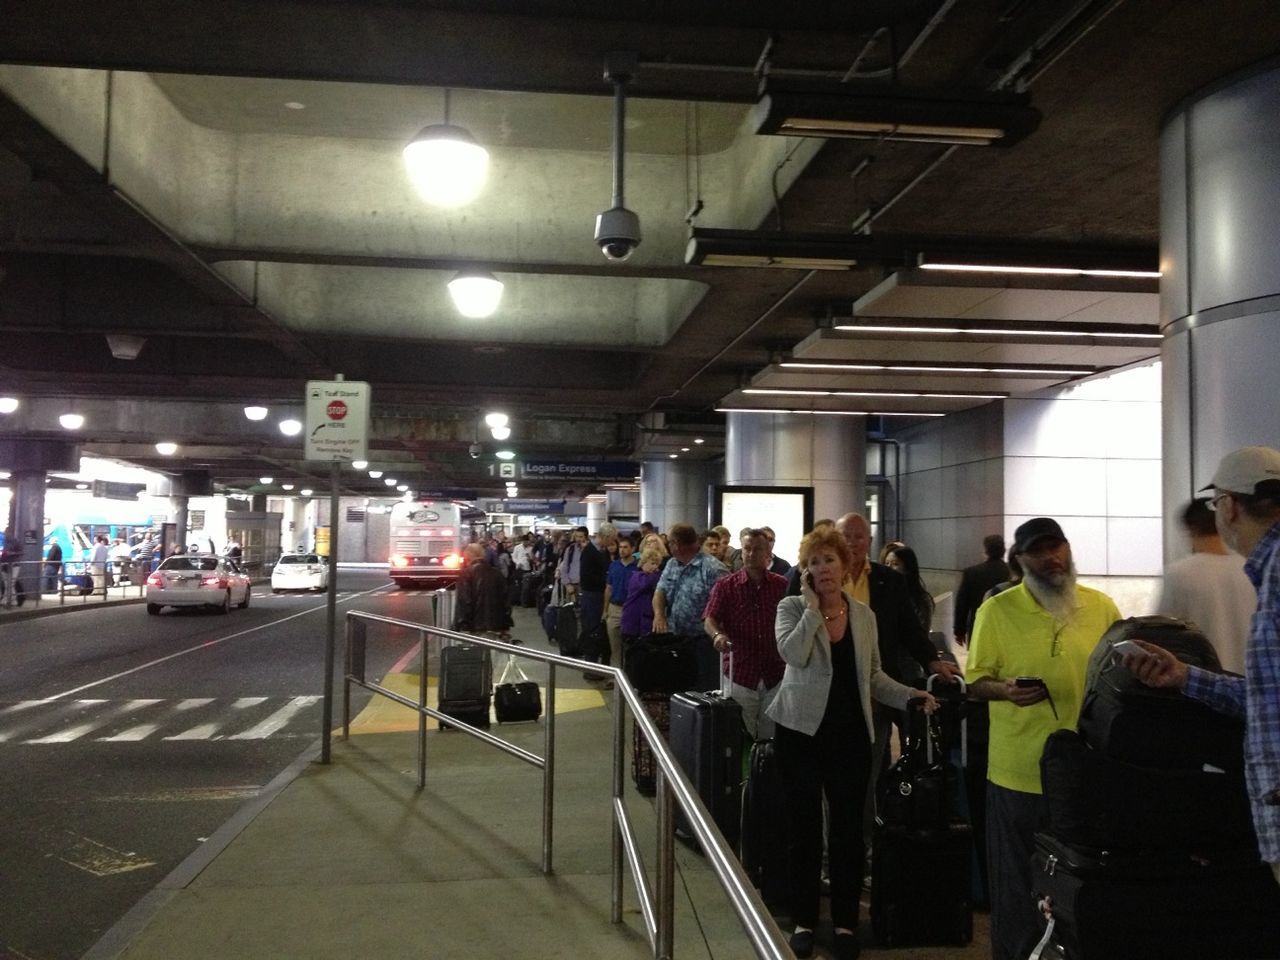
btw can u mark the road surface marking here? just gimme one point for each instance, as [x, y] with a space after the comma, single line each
[187, 794]
[203, 732]
[206, 645]
[277, 720]
[99, 859]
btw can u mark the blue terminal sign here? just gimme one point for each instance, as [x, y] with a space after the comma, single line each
[579, 470]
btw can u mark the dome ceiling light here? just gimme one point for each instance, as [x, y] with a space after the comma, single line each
[446, 165]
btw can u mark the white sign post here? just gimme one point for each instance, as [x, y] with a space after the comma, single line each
[337, 420]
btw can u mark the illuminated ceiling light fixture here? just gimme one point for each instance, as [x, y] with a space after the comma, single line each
[166, 448]
[265, 481]
[286, 486]
[305, 491]
[125, 346]
[256, 413]
[82, 486]
[495, 419]
[402, 487]
[684, 449]
[801, 392]
[475, 294]
[446, 165]
[984, 328]
[618, 229]
[513, 492]
[1041, 271]
[359, 464]
[698, 440]
[673, 456]
[853, 367]
[814, 107]
[505, 454]
[501, 433]
[837, 413]
[8, 404]
[390, 481]
[375, 474]
[290, 428]
[71, 421]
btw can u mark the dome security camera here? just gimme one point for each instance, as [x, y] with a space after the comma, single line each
[475, 450]
[617, 233]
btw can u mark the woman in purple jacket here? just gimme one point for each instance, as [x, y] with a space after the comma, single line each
[637, 609]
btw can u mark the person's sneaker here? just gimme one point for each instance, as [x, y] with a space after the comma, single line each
[801, 944]
[846, 947]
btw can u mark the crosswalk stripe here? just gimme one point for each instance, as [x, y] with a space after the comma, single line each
[203, 732]
[277, 720]
[140, 732]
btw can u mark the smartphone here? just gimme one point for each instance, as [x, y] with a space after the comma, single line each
[1028, 682]
[1129, 647]
[807, 579]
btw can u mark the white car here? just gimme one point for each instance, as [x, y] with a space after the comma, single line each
[198, 581]
[300, 571]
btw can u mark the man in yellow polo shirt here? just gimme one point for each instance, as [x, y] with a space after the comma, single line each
[1041, 631]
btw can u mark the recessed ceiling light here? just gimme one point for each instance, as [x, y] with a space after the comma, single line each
[290, 428]
[698, 440]
[505, 454]
[684, 449]
[294, 105]
[166, 448]
[71, 421]
[673, 456]
[256, 413]
[359, 464]
[8, 404]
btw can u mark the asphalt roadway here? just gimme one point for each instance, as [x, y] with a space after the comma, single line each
[127, 739]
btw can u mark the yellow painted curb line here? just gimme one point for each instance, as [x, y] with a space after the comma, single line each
[381, 715]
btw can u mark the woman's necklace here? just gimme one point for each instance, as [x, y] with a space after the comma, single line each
[834, 616]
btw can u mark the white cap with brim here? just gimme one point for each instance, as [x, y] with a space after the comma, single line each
[1242, 470]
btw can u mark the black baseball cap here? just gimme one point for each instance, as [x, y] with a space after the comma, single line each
[1038, 529]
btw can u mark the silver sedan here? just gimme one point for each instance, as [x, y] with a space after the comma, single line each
[197, 581]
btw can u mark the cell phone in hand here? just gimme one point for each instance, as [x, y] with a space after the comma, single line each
[1028, 682]
[1125, 647]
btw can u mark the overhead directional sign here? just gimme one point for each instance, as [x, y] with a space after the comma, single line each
[337, 420]
[579, 470]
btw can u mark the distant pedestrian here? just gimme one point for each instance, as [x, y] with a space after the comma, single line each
[52, 566]
[482, 605]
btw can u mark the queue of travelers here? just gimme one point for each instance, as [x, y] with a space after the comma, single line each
[823, 657]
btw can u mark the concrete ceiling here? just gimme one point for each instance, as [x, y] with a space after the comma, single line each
[225, 180]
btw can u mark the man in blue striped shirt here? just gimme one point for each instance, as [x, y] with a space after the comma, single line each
[1246, 501]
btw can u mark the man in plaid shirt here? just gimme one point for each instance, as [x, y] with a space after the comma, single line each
[1247, 504]
[740, 621]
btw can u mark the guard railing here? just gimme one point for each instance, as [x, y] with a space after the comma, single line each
[39, 582]
[657, 899]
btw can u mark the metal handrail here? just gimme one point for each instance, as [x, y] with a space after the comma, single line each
[657, 903]
[32, 577]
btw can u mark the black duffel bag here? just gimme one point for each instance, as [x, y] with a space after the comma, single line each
[519, 700]
[1097, 801]
[661, 663]
[1129, 721]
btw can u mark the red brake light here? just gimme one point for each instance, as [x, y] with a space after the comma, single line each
[453, 561]
[212, 581]
[399, 561]
[155, 580]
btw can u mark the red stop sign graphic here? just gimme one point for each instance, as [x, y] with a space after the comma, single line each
[336, 410]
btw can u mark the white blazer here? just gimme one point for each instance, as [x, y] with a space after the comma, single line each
[804, 645]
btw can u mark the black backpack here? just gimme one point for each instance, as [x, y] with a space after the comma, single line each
[1127, 720]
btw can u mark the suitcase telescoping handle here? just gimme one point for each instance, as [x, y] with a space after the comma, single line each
[964, 722]
[726, 679]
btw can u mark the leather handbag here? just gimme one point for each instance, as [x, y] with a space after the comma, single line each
[516, 701]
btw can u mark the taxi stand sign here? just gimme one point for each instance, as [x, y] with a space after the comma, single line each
[337, 423]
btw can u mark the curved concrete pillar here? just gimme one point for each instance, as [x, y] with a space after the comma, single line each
[1220, 289]
[828, 453]
[597, 513]
[674, 491]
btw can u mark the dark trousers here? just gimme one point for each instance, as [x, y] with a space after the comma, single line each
[1013, 817]
[590, 613]
[834, 762]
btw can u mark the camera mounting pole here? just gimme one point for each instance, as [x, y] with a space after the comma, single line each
[618, 229]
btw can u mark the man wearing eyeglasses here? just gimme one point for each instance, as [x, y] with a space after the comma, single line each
[1028, 654]
[1246, 502]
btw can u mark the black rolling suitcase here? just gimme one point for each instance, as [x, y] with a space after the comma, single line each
[644, 768]
[466, 684]
[921, 850]
[1159, 906]
[706, 738]
[530, 584]
[764, 818]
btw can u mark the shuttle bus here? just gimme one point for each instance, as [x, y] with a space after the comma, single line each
[427, 538]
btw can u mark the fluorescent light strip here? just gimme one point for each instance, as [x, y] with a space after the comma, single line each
[815, 365]
[781, 392]
[1044, 271]
[999, 332]
[841, 413]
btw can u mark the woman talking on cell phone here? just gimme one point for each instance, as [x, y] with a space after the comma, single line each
[824, 735]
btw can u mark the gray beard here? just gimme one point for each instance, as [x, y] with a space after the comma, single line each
[1057, 596]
